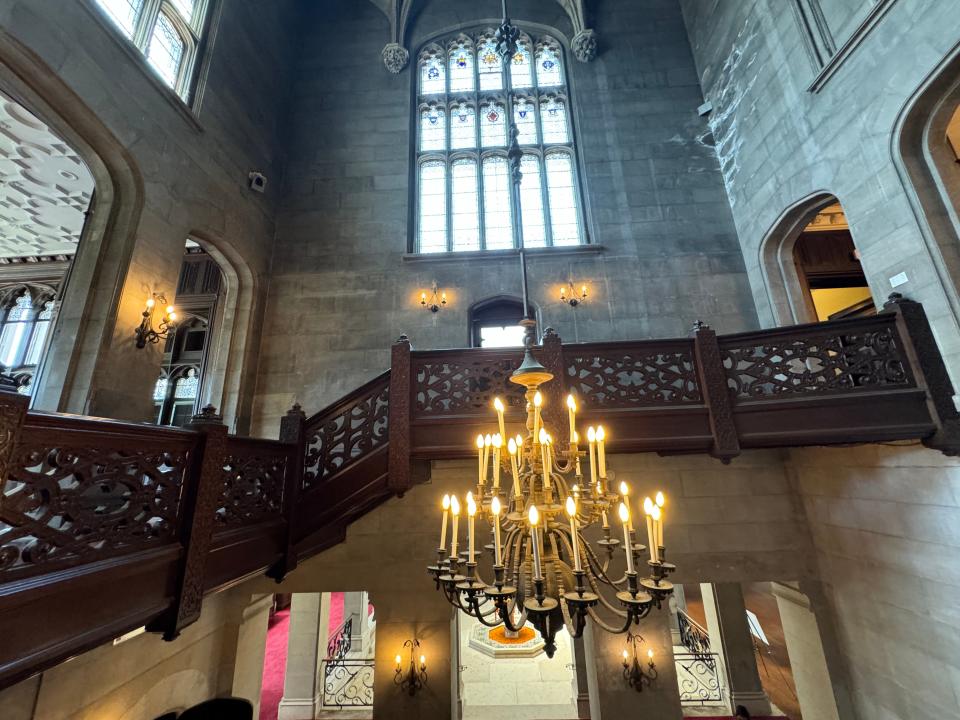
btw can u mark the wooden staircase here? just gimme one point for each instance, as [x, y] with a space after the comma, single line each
[108, 526]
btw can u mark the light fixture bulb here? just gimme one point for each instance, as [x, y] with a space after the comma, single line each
[423, 660]
[469, 497]
[487, 440]
[655, 513]
[399, 660]
[471, 507]
[563, 293]
[583, 290]
[497, 441]
[648, 506]
[423, 298]
[571, 402]
[170, 309]
[519, 441]
[171, 316]
[446, 502]
[571, 507]
[543, 436]
[533, 516]
[601, 434]
[512, 446]
[498, 404]
[591, 435]
[624, 513]
[626, 655]
[576, 437]
[660, 499]
[624, 488]
[650, 654]
[479, 442]
[150, 303]
[454, 505]
[495, 505]
[537, 399]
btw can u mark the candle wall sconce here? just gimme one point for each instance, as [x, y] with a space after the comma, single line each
[415, 676]
[434, 300]
[570, 296]
[146, 332]
[634, 673]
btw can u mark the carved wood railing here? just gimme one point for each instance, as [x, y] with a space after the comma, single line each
[106, 526]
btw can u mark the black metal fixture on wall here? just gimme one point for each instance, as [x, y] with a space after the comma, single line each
[570, 296]
[435, 301]
[145, 332]
[415, 677]
[634, 673]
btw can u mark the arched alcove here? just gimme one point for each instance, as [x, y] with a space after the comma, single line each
[495, 322]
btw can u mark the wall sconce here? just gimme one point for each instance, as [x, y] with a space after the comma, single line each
[435, 302]
[416, 675]
[633, 671]
[145, 332]
[570, 297]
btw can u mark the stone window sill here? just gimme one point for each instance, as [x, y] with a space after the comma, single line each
[501, 254]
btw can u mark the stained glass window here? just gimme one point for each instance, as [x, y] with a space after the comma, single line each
[23, 336]
[466, 106]
[166, 32]
[187, 386]
[160, 389]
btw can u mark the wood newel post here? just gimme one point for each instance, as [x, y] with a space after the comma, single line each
[716, 393]
[13, 415]
[293, 431]
[201, 494]
[554, 392]
[922, 352]
[399, 478]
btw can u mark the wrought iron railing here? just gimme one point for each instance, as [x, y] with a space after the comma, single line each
[698, 678]
[692, 634]
[347, 682]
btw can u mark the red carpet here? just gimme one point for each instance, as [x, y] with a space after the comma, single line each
[274, 665]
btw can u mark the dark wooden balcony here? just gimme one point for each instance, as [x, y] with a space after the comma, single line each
[109, 526]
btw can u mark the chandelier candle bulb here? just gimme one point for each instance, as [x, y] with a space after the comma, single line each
[471, 513]
[625, 494]
[534, 518]
[571, 414]
[498, 406]
[592, 442]
[443, 525]
[455, 509]
[658, 527]
[480, 458]
[497, 444]
[627, 546]
[487, 444]
[495, 509]
[537, 403]
[601, 452]
[651, 540]
[574, 538]
[512, 448]
[544, 458]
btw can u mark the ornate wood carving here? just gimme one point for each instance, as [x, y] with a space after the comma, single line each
[716, 394]
[13, 410]
[840, 357]
[628, 375]
[253, 479]
[464, 384]
[399, 463]
[293, 435]
[341, 435]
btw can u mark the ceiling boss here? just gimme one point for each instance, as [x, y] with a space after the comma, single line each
[540, 507]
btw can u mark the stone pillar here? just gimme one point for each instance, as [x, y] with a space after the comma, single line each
[807, 660]
[403, 616]
[611, 698]
[678, 602]
[306, 648]
[355, 610]
[728, 618]
[581, 678]
[245, 644]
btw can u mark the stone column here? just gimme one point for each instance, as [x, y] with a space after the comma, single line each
[306, 648]
[355, 610]
[245, 643]
[611, 698]
[678, 602]
[807, 660]
[727, 621]
[581, 678]
[403, 616]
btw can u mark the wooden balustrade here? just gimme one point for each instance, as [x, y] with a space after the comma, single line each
[107, 526]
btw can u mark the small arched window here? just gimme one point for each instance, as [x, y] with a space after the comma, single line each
[496, 323]
[24, 331]
[167, 32]
[465, 102]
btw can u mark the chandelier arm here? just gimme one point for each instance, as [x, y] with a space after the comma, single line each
[481, 616]
[600, 571]
[598, 591]
[613, 630]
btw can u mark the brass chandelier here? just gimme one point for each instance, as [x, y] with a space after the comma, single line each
[538, 504]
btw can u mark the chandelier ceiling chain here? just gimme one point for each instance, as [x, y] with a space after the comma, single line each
[539, 505]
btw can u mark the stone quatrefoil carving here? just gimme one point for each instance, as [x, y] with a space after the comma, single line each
[340, 439]
[78, 504]
[815, 364]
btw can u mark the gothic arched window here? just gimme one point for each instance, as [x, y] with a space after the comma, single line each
[167, 32]
[464, 102]
[496, 323]
[24, 330]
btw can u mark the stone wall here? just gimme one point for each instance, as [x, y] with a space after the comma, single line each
[342, 288]
[163, 173]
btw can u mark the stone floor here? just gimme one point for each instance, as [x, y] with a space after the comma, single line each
[536, 688]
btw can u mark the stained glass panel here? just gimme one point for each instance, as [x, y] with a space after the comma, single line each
[160, 389]
[531, 203]
[433, 77]
[549, 70]
[461, 69]
[493, 125]
[553, 120]
[433, 207]
[433, 129]
[496, 203]
[463, 127]
[491, 66]
[521, 69]
[186, 8]
[526, 119]
[466, 208]
[564, 214]
[166, 50]
[187, 386]
[124, 13]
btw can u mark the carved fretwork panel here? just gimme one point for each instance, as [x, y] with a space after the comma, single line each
[816, 363]
[253, 481]
[353, 429]
[464, 386]
[623, 378]
[77, 505]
